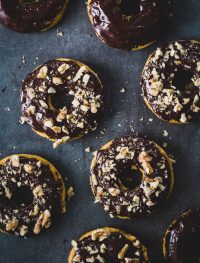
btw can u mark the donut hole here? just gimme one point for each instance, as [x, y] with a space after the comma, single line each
[130, 177]
[191, 249]
[182, 79]
[61, 99]
[22, 196]
[130, 7]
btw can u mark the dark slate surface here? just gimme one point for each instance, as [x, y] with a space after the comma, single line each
[117, 69]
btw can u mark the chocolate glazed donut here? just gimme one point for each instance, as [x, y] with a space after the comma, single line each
[108, 245]
[140, 155]
[32, 195]
[69, 79]
[181, 243]
[129, 32]
[170, 99]
[30, 16]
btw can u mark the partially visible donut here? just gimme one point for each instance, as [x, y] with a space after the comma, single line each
[129, 32]
[161, 96]
[29, 16]
[139, 154]
[108, 245]
[181, 243]
[65, 123]
[48, 195]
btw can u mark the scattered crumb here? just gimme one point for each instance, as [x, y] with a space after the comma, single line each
[88, 149]
[70, 193]
[142, 118]
[7, 109]
[151, 120]
[164, 144]
[165, 133]
[102, 132]
[60, 33]
[22, 120]
[122, 90]
[119, 125]
[23, 59]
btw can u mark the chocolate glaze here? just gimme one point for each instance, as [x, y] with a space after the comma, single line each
[166, 100]
[13, 178]
[146, 197]
[24, 16]
[92, 92]
[128, 32]
[182, 239]
[107, 246]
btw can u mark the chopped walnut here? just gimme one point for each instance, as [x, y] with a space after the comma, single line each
[63, 68]
[31, 93]
[42, 72]
[31, 110]
[56, 129]
[61, 141]
[77, 258]
[15, 161]
[114, 191]
[38, 191]
[123, 251]
[12, 225]
[35, 211]
[51, 90]
[144, 159]
[23, 230]
[183, 118]
[155, 87]
[44, 221]
[57, 81]
[43, 104]
[28, 168]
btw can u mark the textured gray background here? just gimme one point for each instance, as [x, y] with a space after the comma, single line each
[117, 69]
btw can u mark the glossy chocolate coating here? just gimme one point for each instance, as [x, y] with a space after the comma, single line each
[147, 158]
[30, 16]
[128, 32]
[166, 99]
[76, 120]
[182, 240]
[106, 246]
[15, 175]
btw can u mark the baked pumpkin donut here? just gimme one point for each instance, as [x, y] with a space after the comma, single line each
[62, 77]
[30, 16]
[129, 31]
[164, 93]
[32, 195]
[182, 240]
[108, 245]
[142, 155]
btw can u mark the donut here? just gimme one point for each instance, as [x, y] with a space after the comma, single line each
[125, 31]
[29, 16]
[182, 240]
[108, 245]
[23, 175]
[161, 90]
[140, 155]
[64, 77]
